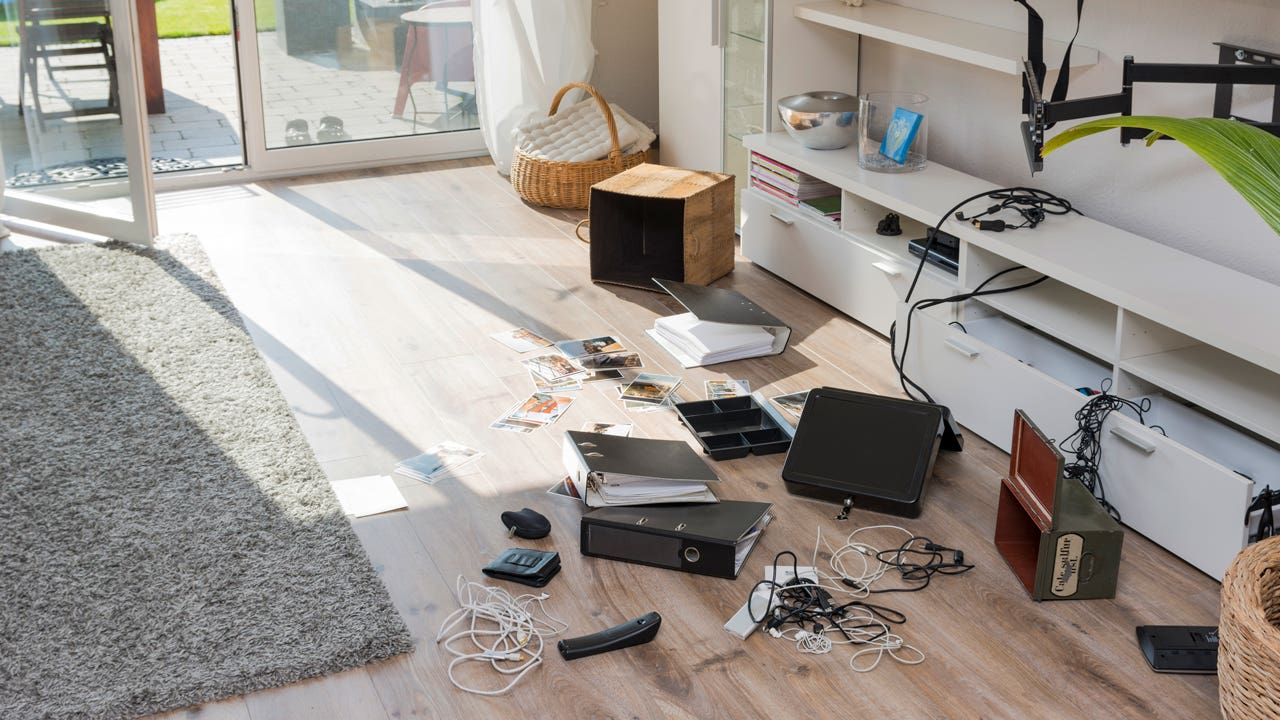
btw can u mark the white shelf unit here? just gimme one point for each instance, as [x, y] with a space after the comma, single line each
[1154, 321]
[969, 42]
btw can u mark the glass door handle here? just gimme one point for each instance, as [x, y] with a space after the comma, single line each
[717, 23]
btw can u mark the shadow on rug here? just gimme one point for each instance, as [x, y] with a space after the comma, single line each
[167, 537]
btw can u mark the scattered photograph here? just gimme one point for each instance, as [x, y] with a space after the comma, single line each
[609, 361]
[512, 425]
[541, 407]
[598, 375]
[644, 407]
[529, 415]
[573, 382]
[604, 428]
[521, 339]
[564, 488]
[551, 367]
[793, 403]
[651, 388]
[577, 349]
[637, 406]
[431, 465]
[717, 389]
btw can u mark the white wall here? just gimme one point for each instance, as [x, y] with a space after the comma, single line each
[625, 34]
[1164, 192]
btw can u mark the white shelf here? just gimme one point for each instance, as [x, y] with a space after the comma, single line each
[1227, 386]
[1077, 319]
[1206, 301]
[969, 42]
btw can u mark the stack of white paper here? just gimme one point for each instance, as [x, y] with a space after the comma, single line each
[698, 342]
[648, 490]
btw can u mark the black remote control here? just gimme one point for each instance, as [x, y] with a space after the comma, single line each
[636, 632]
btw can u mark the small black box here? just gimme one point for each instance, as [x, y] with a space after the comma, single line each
[874, 451]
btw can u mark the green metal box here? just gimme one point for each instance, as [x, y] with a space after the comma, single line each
[1056, 537]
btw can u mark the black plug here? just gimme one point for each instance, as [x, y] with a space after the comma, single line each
[996, 225]
[890, 225]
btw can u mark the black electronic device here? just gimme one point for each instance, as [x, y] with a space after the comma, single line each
[527, 523]
[945, 252]
[1191, 649]
[534, 568]
[628, 634]
[866, 451]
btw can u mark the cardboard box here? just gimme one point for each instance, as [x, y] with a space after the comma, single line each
[654, 221]
[1056, 537]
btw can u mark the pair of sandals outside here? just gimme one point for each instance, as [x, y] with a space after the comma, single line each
[297, 132]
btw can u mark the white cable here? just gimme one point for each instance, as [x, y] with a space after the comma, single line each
[807, 642]
[511, 631]
[892, 646]
[859, 563]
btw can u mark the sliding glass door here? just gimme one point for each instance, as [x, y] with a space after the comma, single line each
[332, 83]
[74, 133]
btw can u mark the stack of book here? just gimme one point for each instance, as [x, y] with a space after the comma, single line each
[794, 187]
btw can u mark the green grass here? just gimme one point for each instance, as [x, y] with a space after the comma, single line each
[179, 18]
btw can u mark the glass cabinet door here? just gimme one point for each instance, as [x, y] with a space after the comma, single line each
[745, 74]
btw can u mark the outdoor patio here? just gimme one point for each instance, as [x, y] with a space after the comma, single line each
[201, 125]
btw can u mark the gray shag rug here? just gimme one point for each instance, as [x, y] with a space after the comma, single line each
[167, 537]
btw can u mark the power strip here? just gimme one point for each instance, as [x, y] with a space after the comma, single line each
[784, 573]
[741, 625]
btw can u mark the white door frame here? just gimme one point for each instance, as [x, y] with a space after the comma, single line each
[263, 162]
[140, 226]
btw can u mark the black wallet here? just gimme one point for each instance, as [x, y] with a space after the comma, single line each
[524, 566]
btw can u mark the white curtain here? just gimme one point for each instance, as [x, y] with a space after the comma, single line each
[525, 51]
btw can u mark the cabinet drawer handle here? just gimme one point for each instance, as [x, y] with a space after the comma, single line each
[963, 349]
[785, 221]
[1133, 439]
[889, 269]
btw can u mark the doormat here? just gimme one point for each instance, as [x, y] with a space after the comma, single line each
[102, 169]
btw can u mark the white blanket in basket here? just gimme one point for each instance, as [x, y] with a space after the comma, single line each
[580, 134]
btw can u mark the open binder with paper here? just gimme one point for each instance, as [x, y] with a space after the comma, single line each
[608, 470]
[721, 325]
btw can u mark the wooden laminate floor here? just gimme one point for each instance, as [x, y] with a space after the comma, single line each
[372, 294]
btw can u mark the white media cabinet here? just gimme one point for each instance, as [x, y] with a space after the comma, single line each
[1198, 339]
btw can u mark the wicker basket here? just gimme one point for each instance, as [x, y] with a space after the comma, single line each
[558, 184]
[1249, 634]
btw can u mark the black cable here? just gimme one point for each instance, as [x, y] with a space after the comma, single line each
[900, 364]
[1086, 442]
[1266, 520]
[801, 602]
[918, 559]
[1033, 204]
[1016, 198]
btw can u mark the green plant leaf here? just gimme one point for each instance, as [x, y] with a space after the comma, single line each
[1246, 157]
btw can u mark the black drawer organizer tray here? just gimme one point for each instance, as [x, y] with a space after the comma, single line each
[733, 427]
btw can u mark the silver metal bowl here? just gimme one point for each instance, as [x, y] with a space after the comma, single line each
[822, 120]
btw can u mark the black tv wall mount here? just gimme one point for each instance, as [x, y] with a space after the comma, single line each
[1236, 65]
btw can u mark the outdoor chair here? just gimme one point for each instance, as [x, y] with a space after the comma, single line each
[59, 29]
